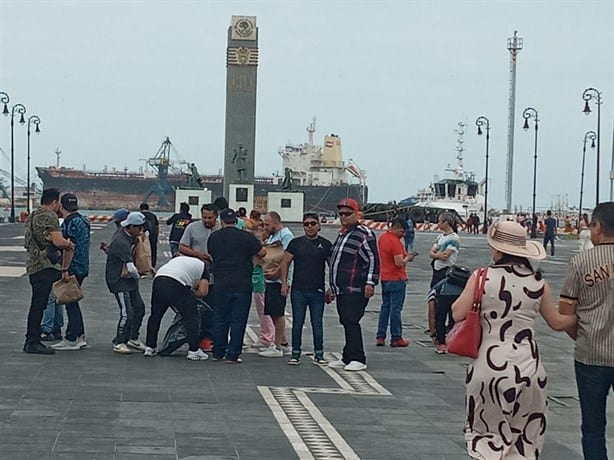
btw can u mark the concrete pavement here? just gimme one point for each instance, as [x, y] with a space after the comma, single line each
[94, 404]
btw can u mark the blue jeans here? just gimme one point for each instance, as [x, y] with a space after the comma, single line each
[53, 317]
[230, 315]
[75, 328]
[409, 240]
[300, 300]
[174, 248]
[594, 383]
[393, 297]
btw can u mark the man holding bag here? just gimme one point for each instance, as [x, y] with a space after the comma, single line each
[126, 290]
[76, 228]
[43, 240]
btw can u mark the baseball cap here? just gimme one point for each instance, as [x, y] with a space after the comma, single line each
[120, 214]
[228, 216]
[348, 203]
[134, 218]
[69, 202]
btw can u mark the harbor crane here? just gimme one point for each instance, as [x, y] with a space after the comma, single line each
[161, 162]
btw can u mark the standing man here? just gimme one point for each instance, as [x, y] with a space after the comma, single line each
[178, 221]
[393, 259]
[310, 254]
[126, 289]
[410, 234]
[274, 300]
[549, 232]
[232, 251]
[354, 272]
[76, 228]
[177, 284]
[588, 292]
[194, 243]
[152, 227]
[43, 238]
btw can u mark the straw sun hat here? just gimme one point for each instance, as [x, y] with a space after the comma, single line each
[511, 238]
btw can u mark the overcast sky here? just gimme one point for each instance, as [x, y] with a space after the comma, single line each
[111, 79]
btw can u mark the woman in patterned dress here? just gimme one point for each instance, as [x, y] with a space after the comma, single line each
[506, 383]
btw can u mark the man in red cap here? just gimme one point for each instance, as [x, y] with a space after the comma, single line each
[354, 272]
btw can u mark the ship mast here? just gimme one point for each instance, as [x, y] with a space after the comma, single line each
[514, 45]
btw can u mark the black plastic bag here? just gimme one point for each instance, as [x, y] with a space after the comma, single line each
[176, 335]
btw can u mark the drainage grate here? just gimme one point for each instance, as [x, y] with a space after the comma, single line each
[309, 432]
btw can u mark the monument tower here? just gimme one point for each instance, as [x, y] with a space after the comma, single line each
[514, 45]
[241, 72]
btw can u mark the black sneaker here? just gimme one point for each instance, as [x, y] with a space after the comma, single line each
[295, 358]
[50, 336]
[319, 359]
[38, 349]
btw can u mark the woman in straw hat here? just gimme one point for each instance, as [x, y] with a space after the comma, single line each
[505, 384]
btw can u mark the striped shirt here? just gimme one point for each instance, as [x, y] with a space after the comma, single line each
[590, 282]
[354, 260]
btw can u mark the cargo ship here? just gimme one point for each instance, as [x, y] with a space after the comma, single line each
[318, 171]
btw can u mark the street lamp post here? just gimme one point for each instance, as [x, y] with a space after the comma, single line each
[483, 121]
[528, 113]
[589, 135]
[4, 99]
[17, 108]
[587, 95]
[35, 120]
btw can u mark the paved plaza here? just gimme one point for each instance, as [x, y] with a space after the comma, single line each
[94, 404]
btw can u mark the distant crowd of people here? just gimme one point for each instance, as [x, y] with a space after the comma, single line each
[231, 260]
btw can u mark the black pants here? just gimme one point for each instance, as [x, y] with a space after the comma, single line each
[438, 275]
[41, 283]
[169, 292]
[153, 243]
[131, 313]
[443, 316]
[351, 308]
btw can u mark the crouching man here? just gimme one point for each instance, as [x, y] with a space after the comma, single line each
[177, 284]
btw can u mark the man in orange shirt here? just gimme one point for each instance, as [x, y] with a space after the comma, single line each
[393, 258]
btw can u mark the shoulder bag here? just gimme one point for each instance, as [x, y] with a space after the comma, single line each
[465, 336]
[67, 291]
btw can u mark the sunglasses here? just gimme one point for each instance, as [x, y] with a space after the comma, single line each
[345, 213]
[310, 223]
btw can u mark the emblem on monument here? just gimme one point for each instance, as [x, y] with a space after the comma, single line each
[244, 28]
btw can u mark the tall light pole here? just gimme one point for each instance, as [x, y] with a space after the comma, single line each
[21, 109]
[483, 121]
[514, 45]
[589, 135]
[528, 113]
[35, 120]
[587, 95]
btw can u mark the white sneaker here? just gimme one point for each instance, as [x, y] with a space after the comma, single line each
[122, 348]
[197, 355]
[272, 352]
[66, 344]
[136, 344]
[355, 366]
[81, 341]
[338, 364]
[149, 351]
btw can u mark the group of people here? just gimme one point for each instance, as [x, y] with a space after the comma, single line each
[505, 384]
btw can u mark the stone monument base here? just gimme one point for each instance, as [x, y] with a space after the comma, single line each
[194, 197]
[289, 205]
[241, 195]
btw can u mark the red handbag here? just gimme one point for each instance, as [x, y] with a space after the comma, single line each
[465, 336]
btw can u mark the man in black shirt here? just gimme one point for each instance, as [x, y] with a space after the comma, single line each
[231, 251]
[152, 227]
[179, 222]
[309, 253]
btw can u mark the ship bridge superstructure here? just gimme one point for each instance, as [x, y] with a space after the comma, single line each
[311, 165]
